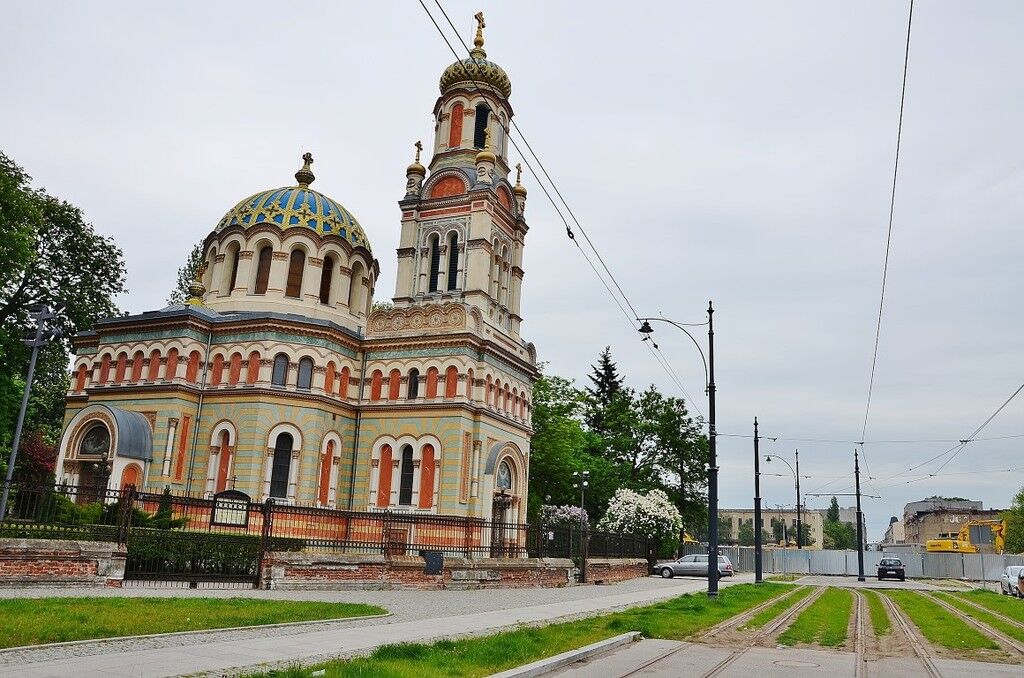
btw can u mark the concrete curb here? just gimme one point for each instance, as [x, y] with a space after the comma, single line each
[170, 634]
[545, 666]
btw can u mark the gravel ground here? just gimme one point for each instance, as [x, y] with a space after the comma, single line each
[404, 606]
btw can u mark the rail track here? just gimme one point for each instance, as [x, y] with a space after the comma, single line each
[981, 608]
[911, 635]
[860, 669]
[1003, 639]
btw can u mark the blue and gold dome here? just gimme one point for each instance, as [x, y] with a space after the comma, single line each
[297, 207]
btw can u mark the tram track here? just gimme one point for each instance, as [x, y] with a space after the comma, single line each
[860, 669]
[911, 635]
[981, 608]
[992, 632]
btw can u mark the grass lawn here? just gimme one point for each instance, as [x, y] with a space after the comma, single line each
[776, 608]
[824, 622]
[1015, 631]
[1004, 605]
[937, 625]
[876, 610]
[31, 621]
[677, 618]
[784, 577]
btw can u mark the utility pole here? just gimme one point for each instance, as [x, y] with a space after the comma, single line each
[712, 464]
[42, 335]
[799, 514]
[860, 520]
[757, 508]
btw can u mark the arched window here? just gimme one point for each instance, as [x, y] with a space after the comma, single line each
[233, 271]
[503, 478]
[515, 402]
[281, 465]
[253, 369]
[451, 382]
[223, 461]
[384, 477]
[480, 125]
[427, 477]
[279, 377]
[154, 365]
[329, 378]
[296, 266]
[325, 280]
[191, 369]
[172, 363]
[218, 370]
[435, 262]
[508, 398]
[394, 384]
[305, 380]
[355, 290]
[375, 384]
[470, 385]
[414, 384]
[497, 394]
[235, 371]
[455, 126]
[346, 374]
[122, 367]
[325, 474]
[431, 382]
[453, 261]
[263, 269]
[405, 478]
[488, 391]
[105, 368]
[137, 367]
[80, 378]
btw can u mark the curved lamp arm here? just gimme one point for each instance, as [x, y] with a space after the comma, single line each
[646, 329]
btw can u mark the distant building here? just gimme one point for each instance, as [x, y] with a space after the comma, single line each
[941, 518]
[731, 519]
[894, 534]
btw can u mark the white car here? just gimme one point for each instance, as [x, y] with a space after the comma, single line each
[1008, 582]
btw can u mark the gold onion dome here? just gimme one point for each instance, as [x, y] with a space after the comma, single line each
[297, 207]
[519, 189]
[416, 167]
[486, 154]
[476, 68]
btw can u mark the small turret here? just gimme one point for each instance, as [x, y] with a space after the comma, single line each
[519, 190]
[485, 162]
[414, 174]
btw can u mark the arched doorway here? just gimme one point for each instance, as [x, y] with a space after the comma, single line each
[503, 534]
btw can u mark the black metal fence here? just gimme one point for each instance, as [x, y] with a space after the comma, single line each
[224, 538]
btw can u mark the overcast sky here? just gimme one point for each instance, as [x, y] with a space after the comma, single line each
[740, 152]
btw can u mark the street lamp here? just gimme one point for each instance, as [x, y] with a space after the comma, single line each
[709, 384]
[582, 482]
[796, 479]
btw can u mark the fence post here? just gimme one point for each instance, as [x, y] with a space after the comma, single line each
[266, 534]
[541, 538]
[466, 537]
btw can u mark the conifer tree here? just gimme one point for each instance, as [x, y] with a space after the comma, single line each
[607, 383]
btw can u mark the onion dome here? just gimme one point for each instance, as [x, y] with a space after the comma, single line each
[476, 68]
[519, 189]
[416, 167]
[297, 207]
[486, 154]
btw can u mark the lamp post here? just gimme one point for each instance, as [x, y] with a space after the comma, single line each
[757, 508]
[796, 479]
[709, 374]
[582, 482]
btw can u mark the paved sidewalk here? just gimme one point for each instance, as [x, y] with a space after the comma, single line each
[197, 654]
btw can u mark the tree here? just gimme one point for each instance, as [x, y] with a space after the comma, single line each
[606, 384]
[746, 534]
[51, 256]
[832, 515]
[778, 530]
[725, 527]
[186, 275]
[805, 533]
[837, 535]
[651, 515]
[1014, 517]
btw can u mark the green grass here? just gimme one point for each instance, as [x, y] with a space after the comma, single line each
[876, 610]
[776, 608]
[1004, 605]
[939, 626]
[676, 619]
[1015, 631]
[31, 621]
[784, 577]
[824, 622]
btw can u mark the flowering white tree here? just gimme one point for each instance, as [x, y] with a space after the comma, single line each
[651, 515]
[562, 516]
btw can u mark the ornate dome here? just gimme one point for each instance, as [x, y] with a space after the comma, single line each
[297, 206]
[477, 68]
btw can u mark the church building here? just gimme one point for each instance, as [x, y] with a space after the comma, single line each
[281, 379]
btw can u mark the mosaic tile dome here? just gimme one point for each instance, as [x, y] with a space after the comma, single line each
[297, 207]
[476, 70]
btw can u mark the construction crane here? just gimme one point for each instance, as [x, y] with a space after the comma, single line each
[963, 544]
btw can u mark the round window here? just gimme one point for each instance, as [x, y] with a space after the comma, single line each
[96, 442]
[503, 481]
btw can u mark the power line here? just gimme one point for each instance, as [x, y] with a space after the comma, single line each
[888, 239]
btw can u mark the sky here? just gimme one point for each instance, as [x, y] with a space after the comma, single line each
[738, 152]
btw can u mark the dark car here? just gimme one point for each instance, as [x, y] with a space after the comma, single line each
[892, 568]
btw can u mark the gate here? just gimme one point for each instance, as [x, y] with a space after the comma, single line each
[186, 539]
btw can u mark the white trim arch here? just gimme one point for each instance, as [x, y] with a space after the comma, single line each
[332, 477]
[293, 467]
[397, 445]
[216, 450]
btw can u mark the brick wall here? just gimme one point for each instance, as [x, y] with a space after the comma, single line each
[329, 571]
[53, 562]
[612, 570]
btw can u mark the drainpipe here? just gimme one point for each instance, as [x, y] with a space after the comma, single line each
[199, 411]
[355, 434]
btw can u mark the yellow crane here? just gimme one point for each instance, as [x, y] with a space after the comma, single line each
[963, 544]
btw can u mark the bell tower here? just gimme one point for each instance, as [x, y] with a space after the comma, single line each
[463, 223]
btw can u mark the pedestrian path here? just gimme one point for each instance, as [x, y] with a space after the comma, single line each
[188, 657]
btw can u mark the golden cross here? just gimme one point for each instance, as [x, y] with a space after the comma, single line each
[419, 147]
[478, 41]
[519, 171]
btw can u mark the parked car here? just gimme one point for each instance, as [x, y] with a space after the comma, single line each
[693, 566]
[891, 568]
[1020, 585]
[1008, 580]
